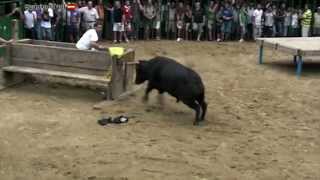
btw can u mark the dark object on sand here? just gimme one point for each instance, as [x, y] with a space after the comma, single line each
[116, 120]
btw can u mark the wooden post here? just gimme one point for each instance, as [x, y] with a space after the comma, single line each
[15, 29]
[299, 66]
[261, 52]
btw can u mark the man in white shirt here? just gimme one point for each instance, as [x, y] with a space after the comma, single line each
[89, 40]
[90, 15]
[30, 18]
[316, 23]
[257, 14]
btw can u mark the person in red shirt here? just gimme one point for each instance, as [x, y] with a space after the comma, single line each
[128, 16]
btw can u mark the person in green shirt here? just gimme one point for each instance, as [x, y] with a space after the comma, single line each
[211, 19]
[306, 21]
[243, 20]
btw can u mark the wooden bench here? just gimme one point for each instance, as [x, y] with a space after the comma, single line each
[64, 61]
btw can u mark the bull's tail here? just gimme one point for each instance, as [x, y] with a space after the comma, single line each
[203, 104]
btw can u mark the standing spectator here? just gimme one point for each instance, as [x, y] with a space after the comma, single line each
[268, 23]
[46, 26]
[136, 19]
[306, 21]
[149, 13]
[38, 23]
[275, 12]
[243, 21]
[157, 22]
[250, 21]
[235, 22]
[165, 17]
[90, 15]
[128, 16]
[16, 11]
[280, 16]
[188, 21]
[171, 21]
[219, 23]
[73, 24]
[198, 20]
[179, 18]
[30, 18]
[257, 14]
[227, 17]
[316, 24]
[118, 25]
[211, 19]
[294, 23]
[100, 23]
[287, 22]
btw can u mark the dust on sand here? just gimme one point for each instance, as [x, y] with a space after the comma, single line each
[262, 123]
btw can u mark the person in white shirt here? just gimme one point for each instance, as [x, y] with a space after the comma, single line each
[294, 23]
[316, 23]
[257, 14]
[90, 15]
[30, 18]
[46, 27]
[89, 40]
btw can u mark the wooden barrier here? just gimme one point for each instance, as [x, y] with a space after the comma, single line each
[63, 60]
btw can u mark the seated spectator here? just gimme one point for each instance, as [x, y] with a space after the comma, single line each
[179, 19]
[316, 24]
[30, 18]
[198, 19]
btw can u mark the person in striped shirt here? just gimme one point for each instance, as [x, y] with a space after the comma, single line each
[306, 21]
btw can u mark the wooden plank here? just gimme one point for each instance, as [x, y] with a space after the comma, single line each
[62, 56]
[129, 69]
[28, 70]
[55, 67]
[53, 43]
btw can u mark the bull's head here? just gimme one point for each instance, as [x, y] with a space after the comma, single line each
[141, 72]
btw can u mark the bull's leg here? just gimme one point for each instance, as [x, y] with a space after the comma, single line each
[146, 95]
[204, 109]
[160, 98]
[193, 105]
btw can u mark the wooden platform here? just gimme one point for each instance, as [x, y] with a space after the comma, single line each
[298, 47]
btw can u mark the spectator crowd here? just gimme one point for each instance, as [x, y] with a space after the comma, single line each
[151, 19]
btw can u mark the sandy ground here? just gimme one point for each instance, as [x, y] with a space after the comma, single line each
[262, 123]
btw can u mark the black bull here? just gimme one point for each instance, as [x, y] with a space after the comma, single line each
[166, 75]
